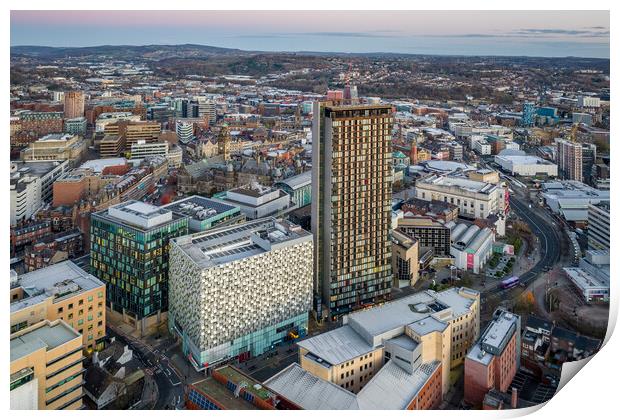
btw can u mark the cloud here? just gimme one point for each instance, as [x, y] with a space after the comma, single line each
[366, 34]
[569, 32]
[599, 32]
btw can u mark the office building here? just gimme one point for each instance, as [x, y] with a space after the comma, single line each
[257, 201]
[493, 361]
[129, 253]
[528, 114]
[76, 126]
[405, 264]
[582, 118]
[60, 291]
[588, 102]
[41, 123]
[474, 199]
[570, 160]
[184, 130]
[428, 232]
[598, 226]
[174, 156]
[142, 149]
[111, 145]
[207, 110]
[113, 117]
[31, 186]
[351, 204]
[588, 160]
[58, 96]
[55, 147]
[237, 291]
[46, 367]
[421, 328]
[74, 104]
[204, 213]
[132, 131]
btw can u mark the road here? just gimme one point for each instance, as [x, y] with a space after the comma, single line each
[157, 364]
[547, 230]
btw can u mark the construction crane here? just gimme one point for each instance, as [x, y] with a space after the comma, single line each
[573, 133]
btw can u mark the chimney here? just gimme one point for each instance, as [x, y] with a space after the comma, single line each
[514, 398]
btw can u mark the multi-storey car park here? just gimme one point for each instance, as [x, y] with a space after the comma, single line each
[237, 291]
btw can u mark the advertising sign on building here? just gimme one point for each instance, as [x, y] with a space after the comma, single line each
[470, 261]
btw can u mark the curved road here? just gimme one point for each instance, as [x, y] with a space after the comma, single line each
[549, 236]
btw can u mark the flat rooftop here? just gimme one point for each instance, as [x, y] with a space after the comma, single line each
[585, 280]
[525, 160]
[458, 182]
[57, 137]
[223, 245]
[62, 280]
[98, 165]
[46, 335]
[198, 207]
[422, 312]
[39, 168]
[138, 214]
[478, 355]
[498, 332]
[223, 395]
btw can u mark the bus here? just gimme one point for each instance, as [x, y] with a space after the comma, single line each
[509, 283]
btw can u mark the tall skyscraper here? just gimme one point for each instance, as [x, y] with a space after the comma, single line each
[588, 160]
[74, 104]
[351, 204]
[570, 160]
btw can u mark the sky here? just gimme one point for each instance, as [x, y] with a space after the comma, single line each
[529, 33]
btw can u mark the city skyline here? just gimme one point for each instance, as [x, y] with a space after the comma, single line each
[506, 33]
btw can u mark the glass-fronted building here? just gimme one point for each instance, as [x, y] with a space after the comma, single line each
[129, 252]
[299, 187]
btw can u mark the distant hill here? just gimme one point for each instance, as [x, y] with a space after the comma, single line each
[120, 52]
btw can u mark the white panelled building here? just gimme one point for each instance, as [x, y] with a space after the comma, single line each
[470, 245]
[238, 291]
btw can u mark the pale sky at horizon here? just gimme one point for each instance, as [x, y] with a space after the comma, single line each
[532, 33]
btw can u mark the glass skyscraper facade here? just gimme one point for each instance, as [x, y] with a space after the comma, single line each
[132, 257]
[351, 204]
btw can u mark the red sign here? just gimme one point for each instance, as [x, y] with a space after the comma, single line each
[470, 261]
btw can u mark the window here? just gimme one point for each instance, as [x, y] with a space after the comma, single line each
[70, 306]
[81, 302]
[90, 298]
[60, 310]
